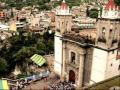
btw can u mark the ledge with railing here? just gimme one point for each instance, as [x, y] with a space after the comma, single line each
[79, 38]
[114, 41]
[73, 64]
[102, 39]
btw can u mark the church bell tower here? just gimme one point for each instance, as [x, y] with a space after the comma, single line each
[63, 22]
[108, 26]
[104, 64]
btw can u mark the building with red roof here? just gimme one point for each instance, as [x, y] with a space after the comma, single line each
[63, 9]
[85, 57]
[111, 10]
[2, 15]
[111, 5]
[64, 5]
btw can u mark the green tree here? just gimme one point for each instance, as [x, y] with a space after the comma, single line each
[21, 47]
[44, 7]
[3, 66]
[50, 46]
[22, 57]
[87, 11]
[93, 13]
[117, 2]
[11, 3]
[41, 46]
[56, 4]
[19, 5]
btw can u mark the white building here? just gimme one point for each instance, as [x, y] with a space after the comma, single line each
[104, 63]
[63, 16]
[4, 27]
[88, 56]
[110, 11]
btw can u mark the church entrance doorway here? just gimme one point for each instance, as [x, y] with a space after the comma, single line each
[72, 76]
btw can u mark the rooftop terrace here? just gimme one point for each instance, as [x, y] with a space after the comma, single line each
[81, 36]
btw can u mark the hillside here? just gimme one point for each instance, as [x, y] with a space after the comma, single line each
[42, 4]
[75, 2]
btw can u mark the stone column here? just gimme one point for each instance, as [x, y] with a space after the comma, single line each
[63, 61]
[80, 74]
[67, 77]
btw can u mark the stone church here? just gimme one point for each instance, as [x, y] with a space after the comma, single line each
[87, 56]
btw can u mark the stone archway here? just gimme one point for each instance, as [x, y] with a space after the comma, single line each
[72, 76]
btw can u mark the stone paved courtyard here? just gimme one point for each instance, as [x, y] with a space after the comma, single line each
[43, 83]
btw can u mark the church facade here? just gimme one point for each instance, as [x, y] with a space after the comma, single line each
[87, 56]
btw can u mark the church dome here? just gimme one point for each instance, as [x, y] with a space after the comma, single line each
[64, 6]
[110, 11]
[63, 9]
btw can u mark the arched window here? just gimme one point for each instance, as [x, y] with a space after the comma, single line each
[111, 31]
[115, 34]
[63, 25]
[119, 67]
[59, 24]
[66, 26]
[110, 35]
[103, 32]
[73, 57]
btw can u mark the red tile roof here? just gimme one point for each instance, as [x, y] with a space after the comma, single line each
[118, 57]
[2, 14]
[64, 6]
[111, 5]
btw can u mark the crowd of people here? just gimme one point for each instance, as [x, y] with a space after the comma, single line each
[62, 86]
[23, 82]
